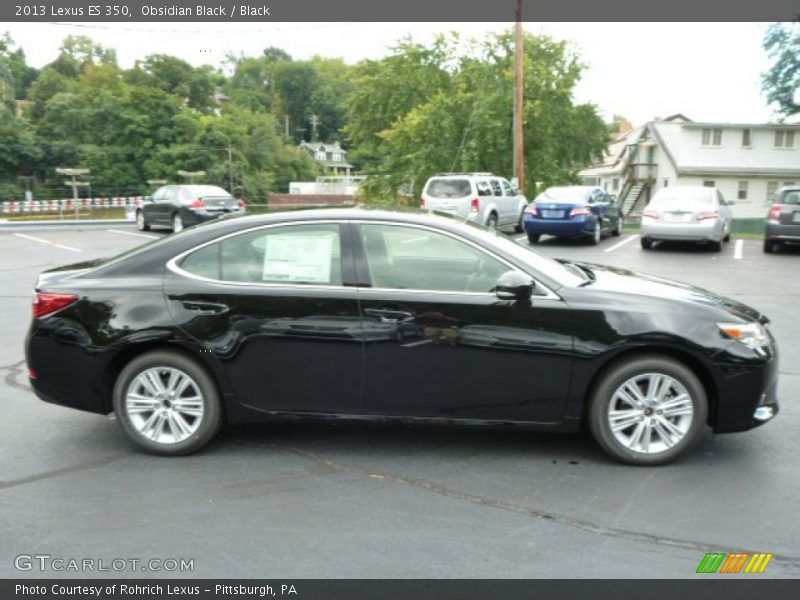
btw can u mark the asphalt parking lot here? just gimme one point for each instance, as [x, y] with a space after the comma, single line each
[368, 501]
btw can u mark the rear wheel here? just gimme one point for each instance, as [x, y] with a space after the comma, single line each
[533, 238]
[491, 222]
[648, 410]
[769, 246]
[141, 224]
[167, 403]
[177, 223]
[646, 243]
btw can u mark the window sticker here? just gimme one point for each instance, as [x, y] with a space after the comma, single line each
[292, 257]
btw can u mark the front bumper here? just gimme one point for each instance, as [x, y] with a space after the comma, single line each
[747, 394]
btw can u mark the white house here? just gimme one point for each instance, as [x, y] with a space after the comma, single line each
[331, 156]
[747, 162]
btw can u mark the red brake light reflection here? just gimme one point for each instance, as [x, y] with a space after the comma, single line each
[46, 304]
[775, 212]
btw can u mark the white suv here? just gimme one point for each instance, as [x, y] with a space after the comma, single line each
[480, 197]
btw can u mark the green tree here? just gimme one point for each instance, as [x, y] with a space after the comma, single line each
[782, 81]
[177, 77]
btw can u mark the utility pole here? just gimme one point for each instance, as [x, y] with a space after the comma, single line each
[230, 168]
[28, 179]
[314, 123]
[74, 183]
[286, 125]
[519, 100]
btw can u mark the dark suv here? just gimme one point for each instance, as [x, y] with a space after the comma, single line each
[783, 220]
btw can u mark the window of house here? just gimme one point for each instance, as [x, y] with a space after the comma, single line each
[788, 139]
[746, 133]
[787, 183]
[742, 193]
[712, 137]
[615, 184]
[666, 182]
[709, 183]
[772, 188]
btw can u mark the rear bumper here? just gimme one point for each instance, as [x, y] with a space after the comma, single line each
[697, 231]
[575, 227]
[781, 232]
[190, 217]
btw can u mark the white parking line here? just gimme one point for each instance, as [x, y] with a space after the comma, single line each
[622, 243]
[48, 242]
[737, 249]
[35, 239]
[63, 247]
[144, 235]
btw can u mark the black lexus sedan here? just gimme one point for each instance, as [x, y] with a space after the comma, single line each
[375, 314]
[177, 206]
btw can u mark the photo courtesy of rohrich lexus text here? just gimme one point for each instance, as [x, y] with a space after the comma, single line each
[318, 300]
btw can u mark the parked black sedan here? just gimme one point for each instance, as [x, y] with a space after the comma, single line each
[178, 206]
[380, 315]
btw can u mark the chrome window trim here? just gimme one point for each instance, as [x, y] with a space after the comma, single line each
[173, 266]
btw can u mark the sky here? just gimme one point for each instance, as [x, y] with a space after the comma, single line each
[706, 71]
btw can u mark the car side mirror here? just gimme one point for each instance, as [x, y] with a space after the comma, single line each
[513, 285]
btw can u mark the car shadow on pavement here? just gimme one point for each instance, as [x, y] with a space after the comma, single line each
[687, 247]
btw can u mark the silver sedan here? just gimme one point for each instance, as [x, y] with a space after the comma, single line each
[687, 213]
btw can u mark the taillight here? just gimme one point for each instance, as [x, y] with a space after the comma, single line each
[774, 212]
[33, 373]
[422, 202]
[707, 214]
[46, 304]
[197, 204]
[475, 206]
[532, 210]
[241, 204]
[653, 214]
[576, 212]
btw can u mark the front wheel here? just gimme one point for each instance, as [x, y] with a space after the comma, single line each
[596, 235]
[167, 403]
[141, 224]
[519, 227]
[769, 246]
[617, 231]
[715, 246]
[648, 410]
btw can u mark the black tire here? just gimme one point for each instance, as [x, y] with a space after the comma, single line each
[212, 418]
[727, 237]
[141, 222]
[646, 243]
[177, 223]
[533, 238]
[491, 222]
[617, 231]
[769, 246]
[715, 246]
[519, 227]
[619, 373]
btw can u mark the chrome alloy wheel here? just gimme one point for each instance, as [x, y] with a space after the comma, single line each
[164, 405]
[650, 413]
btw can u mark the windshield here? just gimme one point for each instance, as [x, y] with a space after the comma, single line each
[448, 188]
[676, 195]
[790, 197]
[563, 195]
[551, 268]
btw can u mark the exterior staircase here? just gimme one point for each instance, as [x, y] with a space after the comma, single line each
[631, 200]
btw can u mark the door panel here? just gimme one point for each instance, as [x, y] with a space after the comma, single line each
[286, 330]
[441, 349]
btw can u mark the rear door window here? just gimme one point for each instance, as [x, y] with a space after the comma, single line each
[498, 191]
[449, 188]
[484, 189]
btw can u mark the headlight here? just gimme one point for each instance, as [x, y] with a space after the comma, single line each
[752, 335]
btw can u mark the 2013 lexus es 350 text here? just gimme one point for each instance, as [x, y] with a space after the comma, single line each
[379, 314]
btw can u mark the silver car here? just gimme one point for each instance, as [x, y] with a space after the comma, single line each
[687, 213]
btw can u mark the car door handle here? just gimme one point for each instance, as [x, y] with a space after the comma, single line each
[387, 315]
[205, 307]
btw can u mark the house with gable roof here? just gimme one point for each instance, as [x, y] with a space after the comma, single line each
[747, 162]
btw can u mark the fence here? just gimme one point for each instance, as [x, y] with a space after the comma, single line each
[37, 206]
